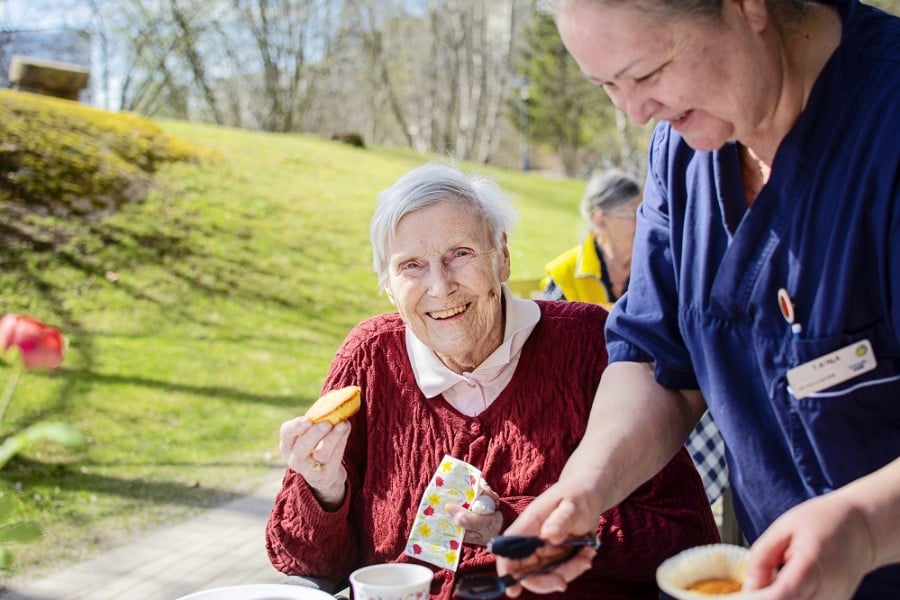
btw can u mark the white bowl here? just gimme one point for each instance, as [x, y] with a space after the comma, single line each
[713, 561]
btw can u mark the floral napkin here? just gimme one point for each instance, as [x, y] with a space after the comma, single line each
[435, 538]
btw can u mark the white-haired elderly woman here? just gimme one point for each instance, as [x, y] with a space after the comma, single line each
[463, 369]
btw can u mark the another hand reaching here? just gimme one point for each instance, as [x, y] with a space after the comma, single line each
[557, 514]
[820, 549]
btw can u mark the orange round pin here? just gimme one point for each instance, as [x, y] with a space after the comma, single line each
[786, 305]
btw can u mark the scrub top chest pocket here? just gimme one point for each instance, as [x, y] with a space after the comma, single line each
[849, 406]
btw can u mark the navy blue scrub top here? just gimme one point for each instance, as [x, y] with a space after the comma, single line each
[702, 303]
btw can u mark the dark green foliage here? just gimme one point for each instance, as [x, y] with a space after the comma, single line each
[566, 110]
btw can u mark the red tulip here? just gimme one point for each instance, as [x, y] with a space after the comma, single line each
[40, 346]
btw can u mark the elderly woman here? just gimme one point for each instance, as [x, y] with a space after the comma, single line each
[764, 280]
[467, 370]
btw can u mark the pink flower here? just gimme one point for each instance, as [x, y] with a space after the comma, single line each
[428, 511]
[454, 544]
[29, 344]
[39, 345]
[417, 549]
[438, 481]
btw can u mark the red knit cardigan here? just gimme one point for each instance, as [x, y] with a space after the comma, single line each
[520, 443]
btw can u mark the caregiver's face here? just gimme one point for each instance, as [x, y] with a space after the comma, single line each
[699, 73]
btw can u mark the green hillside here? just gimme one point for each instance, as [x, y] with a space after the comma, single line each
[200, 316]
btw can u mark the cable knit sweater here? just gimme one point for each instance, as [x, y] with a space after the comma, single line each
[520, 443]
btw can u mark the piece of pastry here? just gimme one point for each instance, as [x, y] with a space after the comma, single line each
[335, 406]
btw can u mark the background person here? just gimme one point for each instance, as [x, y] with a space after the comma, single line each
[468, 370]
[597, 270]
[774, 168]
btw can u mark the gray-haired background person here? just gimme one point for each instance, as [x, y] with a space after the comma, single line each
[597, 270]
[763, 283]
[466, 369]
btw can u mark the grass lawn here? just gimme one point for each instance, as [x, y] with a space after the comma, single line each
[201, 318]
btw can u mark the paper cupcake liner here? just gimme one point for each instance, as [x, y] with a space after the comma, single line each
[714, 561]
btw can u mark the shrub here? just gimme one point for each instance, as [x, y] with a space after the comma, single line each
[63, 158]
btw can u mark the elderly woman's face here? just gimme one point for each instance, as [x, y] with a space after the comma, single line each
[706, 76]
[444, 278]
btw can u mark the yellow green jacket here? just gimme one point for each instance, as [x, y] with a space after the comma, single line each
[578, 272]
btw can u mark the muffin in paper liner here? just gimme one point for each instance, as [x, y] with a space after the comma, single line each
[714, 561]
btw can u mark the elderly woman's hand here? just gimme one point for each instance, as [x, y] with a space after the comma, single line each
[480, 527]
[315, 452]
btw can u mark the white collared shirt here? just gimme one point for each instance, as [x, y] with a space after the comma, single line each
[472, 392]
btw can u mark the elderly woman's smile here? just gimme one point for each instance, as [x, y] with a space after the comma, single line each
[444, 278]
[447, 313]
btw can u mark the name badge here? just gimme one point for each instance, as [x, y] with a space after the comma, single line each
[831, 369]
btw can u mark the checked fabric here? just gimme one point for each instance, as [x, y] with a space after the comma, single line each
[708, 451]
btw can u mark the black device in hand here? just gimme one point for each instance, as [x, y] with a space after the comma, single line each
[520, 546]
[488, 587]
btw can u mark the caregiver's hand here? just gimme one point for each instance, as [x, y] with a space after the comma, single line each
[823, 548]
[559, 513]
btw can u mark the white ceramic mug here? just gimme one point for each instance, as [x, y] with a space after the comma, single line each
[392, 581]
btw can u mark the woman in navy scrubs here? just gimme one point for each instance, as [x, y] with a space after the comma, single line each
[765, 279]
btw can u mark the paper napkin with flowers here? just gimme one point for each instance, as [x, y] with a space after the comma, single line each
[435, 538]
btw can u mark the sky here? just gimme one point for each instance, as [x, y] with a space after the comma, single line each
[43, 14]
